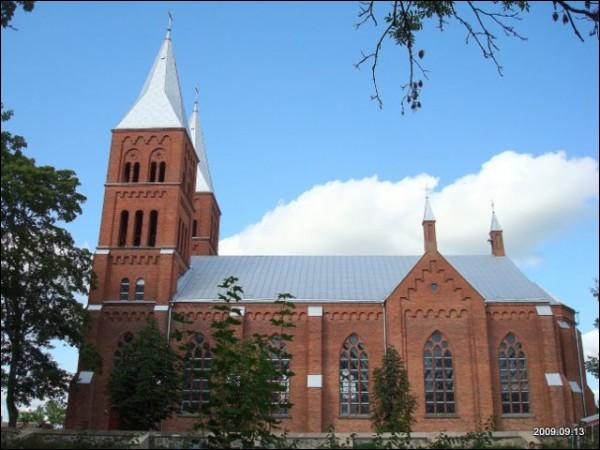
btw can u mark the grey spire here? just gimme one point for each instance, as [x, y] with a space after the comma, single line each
[428, 214]
[203, 179]
[159, 104]
[495, 226]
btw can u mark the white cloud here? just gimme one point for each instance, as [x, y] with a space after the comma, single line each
[535, 198]
[589, 341]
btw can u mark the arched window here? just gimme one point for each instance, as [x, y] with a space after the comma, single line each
[136, 172]
[162, 168]
[123, 228]
[354, 378]
[439, 376]
[137, 228]
[120, 355]
[281, 361]
[127, 172]
[513, 376]
[196, 375]
[124, 289]
[139, 289]
[152, 175]
[152, 228]
[195, 228]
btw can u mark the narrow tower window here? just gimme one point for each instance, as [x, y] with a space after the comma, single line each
[439, 376]
[137, 231]
[354, 378]
[124, 289]
[514, 389]
[123, 228]
[136, 172]
[195, 228]
[120, 353]
[139, 289]
[162, 168]
[127, 172]
[152, 177]
[152, 228]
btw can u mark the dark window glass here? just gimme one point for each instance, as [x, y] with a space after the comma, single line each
[127, 172]
[124, 289]
[139, 289]
[152, 176]
[514, 389]
[354, 378]
[152, 228]
[137, 230]
[123, 228]
[438, 376]
[161, 171]
[195, 390]
[136, 172]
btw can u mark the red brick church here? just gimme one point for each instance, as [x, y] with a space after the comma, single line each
[480, 340]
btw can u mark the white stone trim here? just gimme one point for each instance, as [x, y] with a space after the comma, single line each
[161, 307]
[167, 251]
[94, 307]
[544, 310]
[314, 381]
[553, 379]
[575, 387]
[563, 324]
[85, 377]
[315, 311]
[102, 251]
[235, 313]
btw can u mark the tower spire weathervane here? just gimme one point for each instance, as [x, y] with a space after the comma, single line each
[170, 25]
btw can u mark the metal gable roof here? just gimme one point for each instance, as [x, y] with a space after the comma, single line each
[346, 278]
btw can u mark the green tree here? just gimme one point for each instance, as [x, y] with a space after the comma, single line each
[244, 380]
[144, 383]
[482, 21]
[392, 404]
[9, 8]
[34, 417]
[42, 270]
[52, 412]
[591, 363]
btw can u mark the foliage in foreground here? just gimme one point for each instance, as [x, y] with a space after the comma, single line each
[52, 412]
[591, 364]
[247, 377]
[145, 381]
[393, 404]
[42, 271]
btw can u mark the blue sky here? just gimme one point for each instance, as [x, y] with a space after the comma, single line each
[284, 110]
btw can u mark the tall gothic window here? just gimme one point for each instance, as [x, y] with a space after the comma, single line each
[281, 362]
[137, 228]
[439, 376]
[124, 289]
[123, 228]
[152, 175]
[119, 355]
[162, 169]
[513, 376]
[196, 375]
[139, 289]
[135, 177]
[354, 378]
[127, 172]
[152, 228]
